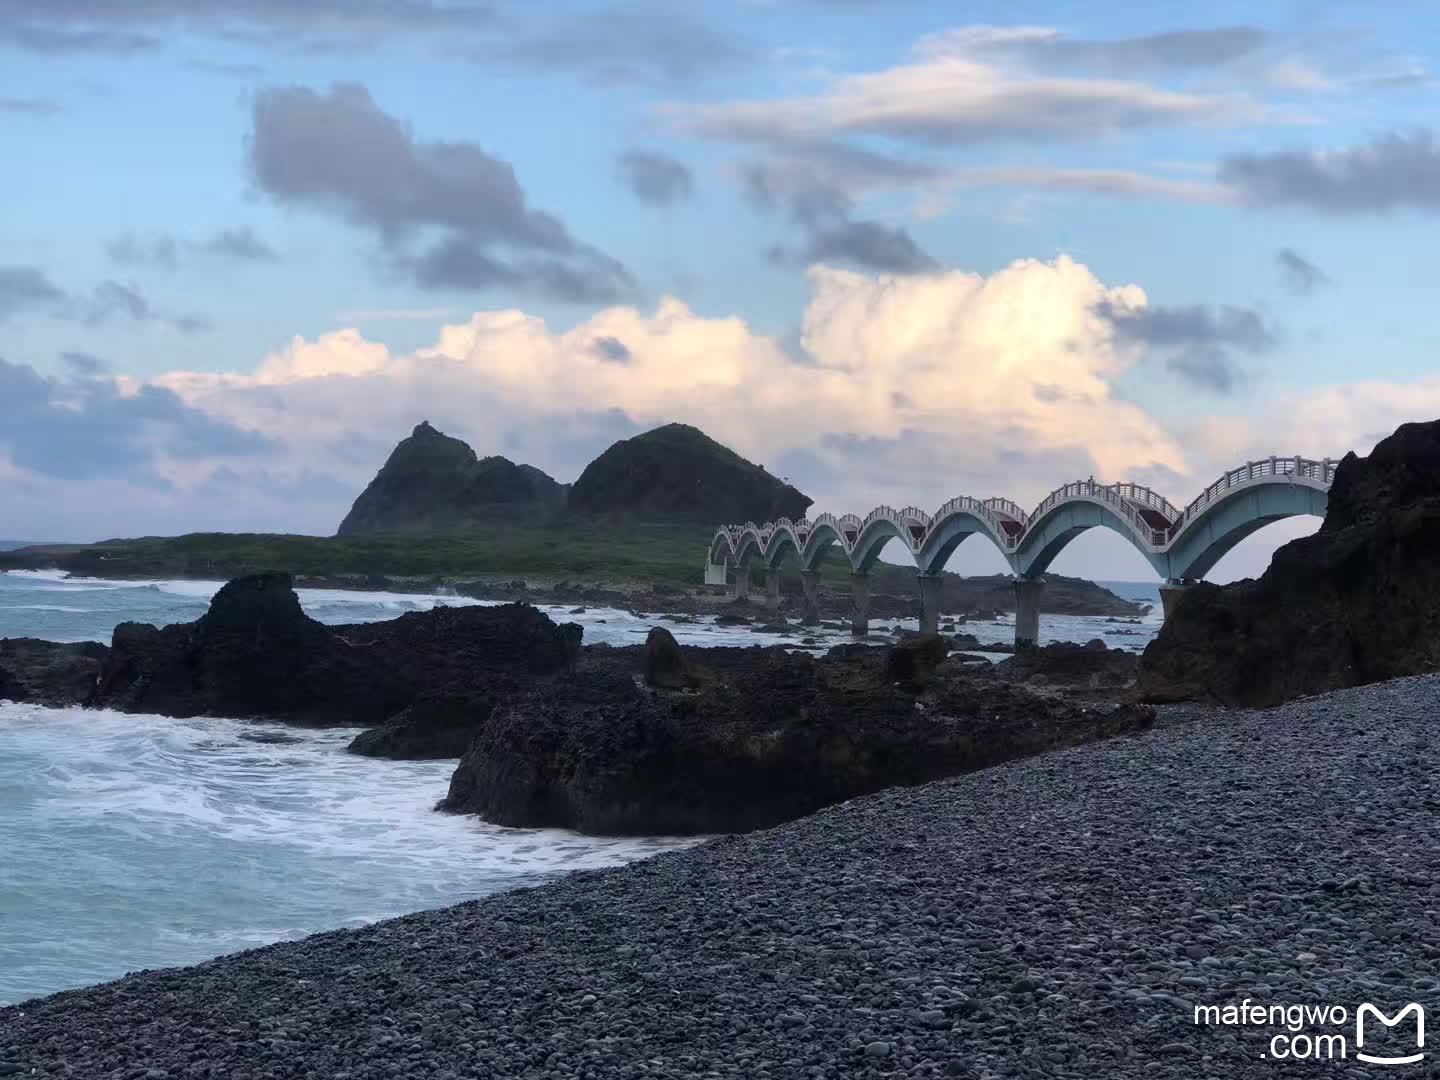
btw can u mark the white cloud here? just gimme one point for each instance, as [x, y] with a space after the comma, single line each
[1002, 380]
[959, 88]
[900, 389]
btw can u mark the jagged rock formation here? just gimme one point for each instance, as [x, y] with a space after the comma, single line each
[678, 471]
[432, 481]
[49, 672]
[255, 653]
[1357, 602]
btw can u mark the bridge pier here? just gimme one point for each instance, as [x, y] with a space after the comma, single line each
[929, 602]
[772, 590]
[742, 583]
[810, 589]
[1170, 593]
[859, 604]
[1027, 612]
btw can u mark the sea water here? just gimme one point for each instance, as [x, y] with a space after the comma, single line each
[135, 841]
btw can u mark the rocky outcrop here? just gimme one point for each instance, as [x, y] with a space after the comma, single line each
[49, 673]
[255, 653]
[665, 664]
[678, 471]
[913, 661]
[1357, 602]
[1091, 670]
[439, 724]
[432, 482]
[596, 750]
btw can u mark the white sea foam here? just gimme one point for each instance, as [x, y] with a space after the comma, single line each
[187, 838]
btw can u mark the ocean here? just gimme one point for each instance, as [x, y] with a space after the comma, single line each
[136, 841]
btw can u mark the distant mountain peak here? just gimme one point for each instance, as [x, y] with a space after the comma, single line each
[432, 481]
[677, 471]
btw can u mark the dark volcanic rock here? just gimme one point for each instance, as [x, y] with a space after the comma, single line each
[255, 653]
[1357, 602]
[665, 664]
[596, 751]
[438, 725]
[679, 471]
[432, 481]
[1089, 668]
[48, 672]
[913, 661]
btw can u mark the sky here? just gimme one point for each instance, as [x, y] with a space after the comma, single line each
[895, 251]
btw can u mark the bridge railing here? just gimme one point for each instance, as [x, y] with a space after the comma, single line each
[880, 512]
[1111, 495]
[984, 509]
[1007, 508]
[1306, 468]
[1139, 493]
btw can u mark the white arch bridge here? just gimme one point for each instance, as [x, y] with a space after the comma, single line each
[1181, 544]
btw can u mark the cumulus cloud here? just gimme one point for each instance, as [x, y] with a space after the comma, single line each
[894, 389]
[1396, 171]
[1302, 275]
[448, 214]
[923, 371]
[86, 427]
[655, 178]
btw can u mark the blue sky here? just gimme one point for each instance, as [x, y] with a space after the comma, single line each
[1207, 236]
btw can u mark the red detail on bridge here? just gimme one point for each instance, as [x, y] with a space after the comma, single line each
[1154, 518]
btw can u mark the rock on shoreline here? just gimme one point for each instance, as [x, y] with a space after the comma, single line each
[1055, 917]
[1357, 602]
[779, 737]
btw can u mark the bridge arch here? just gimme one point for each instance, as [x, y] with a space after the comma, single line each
[951, 529]
[1214, 530]
[722, 550]
[824, 534]
[782, 541]
[875, 534]
[1051, 530]
[748, 545]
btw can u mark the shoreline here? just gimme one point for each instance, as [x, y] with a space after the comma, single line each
[954, 928]
[630, 595]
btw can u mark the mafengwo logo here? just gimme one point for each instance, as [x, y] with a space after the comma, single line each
[1368, 1011]
[1322, 1032]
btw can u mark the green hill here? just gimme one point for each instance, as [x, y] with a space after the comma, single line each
[677, 472]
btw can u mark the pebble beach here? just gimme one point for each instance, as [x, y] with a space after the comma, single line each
[1060, 916]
